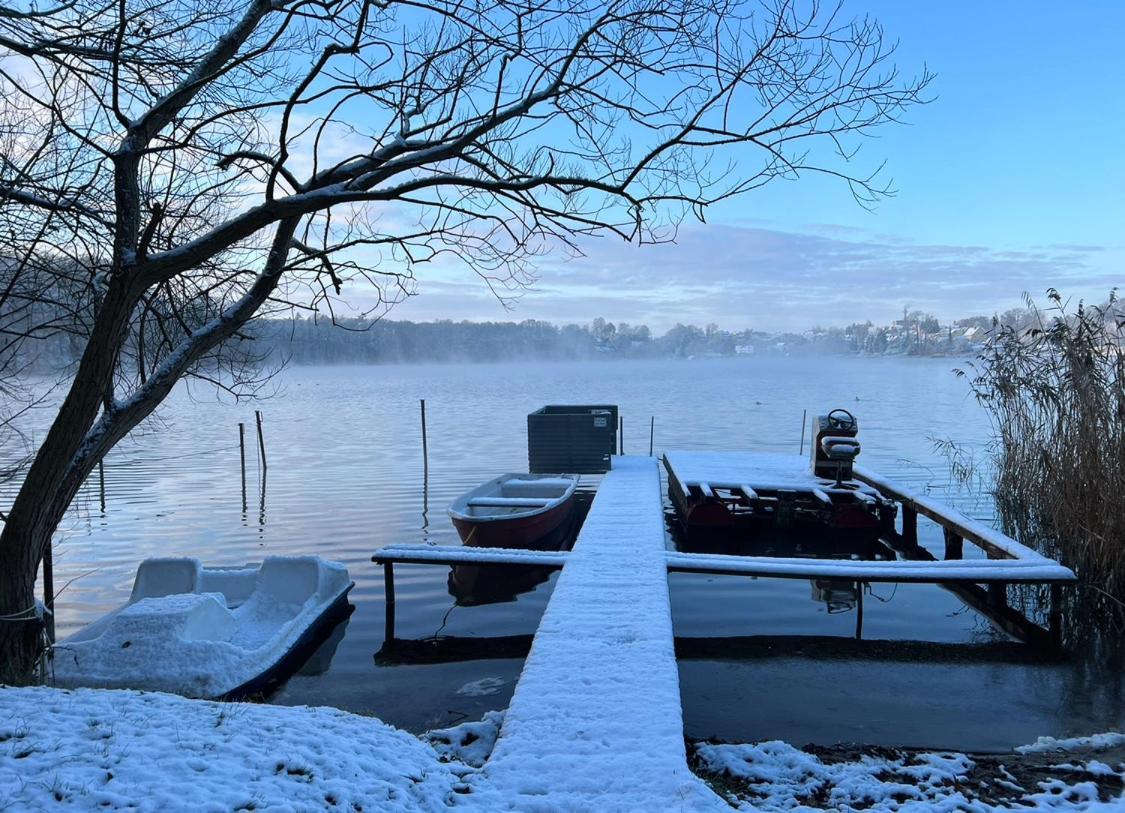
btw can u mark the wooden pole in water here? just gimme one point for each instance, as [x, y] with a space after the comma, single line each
[954, 545]
[1055, 618]
[49, 591]
[389, 601]
[425, 447]
[261, 439]
[242, 459]
[651, 431]
[101, 484]
[859, 611]
[909, 524]
[621, 436]
[804, 421]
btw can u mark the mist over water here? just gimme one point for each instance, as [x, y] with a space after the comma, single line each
[345, 477]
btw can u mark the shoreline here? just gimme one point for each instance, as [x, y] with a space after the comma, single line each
[97, 749]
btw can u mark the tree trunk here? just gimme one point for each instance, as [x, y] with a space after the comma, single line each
[69, 452]
[54, 478]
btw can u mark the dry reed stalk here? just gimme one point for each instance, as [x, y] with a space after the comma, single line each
[1055, 393]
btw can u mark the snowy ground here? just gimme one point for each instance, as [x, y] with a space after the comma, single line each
[90, 749]
[121, 750]
[1075, 775]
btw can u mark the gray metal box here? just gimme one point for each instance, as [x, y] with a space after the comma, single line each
[571, 439]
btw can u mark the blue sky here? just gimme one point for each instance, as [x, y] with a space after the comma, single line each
[1011, 180]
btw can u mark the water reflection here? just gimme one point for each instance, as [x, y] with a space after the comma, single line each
[344, 488]
[474, 585]
[321, 659]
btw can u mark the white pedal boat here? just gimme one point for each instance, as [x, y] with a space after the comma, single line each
[211, 632]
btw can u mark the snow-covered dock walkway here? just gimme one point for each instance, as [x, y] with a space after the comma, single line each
[595, 722]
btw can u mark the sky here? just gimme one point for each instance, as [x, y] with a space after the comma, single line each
[1011, 180]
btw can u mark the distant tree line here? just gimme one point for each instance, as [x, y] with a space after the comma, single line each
[317, 340]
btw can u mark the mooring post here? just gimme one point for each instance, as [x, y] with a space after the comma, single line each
[242, 459]
[621, 436]
[997, 595]
[425, 447]
[804, 421]
[261, 438]
[909, 523]
[1055, 616]
[954, 545]
[101, 484]
[49, 591]
[389, 593]
[859, 611]
[651, 433]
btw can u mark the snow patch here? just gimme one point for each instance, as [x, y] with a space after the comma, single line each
[1095, 742]
[469, 743]
[104, 750]
[779, 777]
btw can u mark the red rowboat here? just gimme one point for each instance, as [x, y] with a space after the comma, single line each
[529, 511]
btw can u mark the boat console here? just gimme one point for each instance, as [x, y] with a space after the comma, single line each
[835, 447]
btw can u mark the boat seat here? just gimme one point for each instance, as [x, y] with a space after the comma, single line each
[165, 576]
[290, 579]
[840, 448]
[510, 502]
[190, 617]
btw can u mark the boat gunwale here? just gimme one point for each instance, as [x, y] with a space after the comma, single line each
[456, 513]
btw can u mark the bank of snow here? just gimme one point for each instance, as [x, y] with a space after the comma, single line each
[110, 750]
[96, 750]
[774, 776]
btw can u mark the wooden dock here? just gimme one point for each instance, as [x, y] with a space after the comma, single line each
[596, 722]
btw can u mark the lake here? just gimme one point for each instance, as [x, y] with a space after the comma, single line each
[345, 477]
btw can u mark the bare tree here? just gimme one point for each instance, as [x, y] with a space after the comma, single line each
[184, 166]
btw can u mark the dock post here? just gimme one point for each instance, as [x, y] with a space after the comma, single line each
[651, 433]
[261, 439]
[389, 593]
[425, 447]
[49, 591]
[242, 459]
[859, 611]
[621, 436]
[997, 595]
[1054, 624]
[909, 523]
[101, 483]
[954, 545]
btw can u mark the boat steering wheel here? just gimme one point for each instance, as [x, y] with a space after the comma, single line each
[841, 419]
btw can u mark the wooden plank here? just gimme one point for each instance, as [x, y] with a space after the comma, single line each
[510, 502]
[988, 539]
[973, 571]
[460, 555]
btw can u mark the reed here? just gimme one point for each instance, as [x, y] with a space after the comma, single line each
[1054, 388]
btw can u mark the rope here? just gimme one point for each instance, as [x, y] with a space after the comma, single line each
[33, 613]
[178, 456]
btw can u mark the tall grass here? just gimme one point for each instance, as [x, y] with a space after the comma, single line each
[1054, 388]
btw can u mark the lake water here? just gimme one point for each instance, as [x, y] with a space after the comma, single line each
[345, 478]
